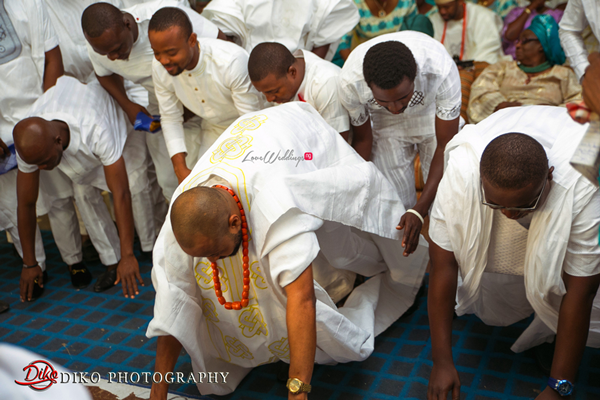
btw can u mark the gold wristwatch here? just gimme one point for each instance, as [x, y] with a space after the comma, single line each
[295, 386]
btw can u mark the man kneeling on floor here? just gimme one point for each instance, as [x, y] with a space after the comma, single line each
[520, 225]
[244, 267]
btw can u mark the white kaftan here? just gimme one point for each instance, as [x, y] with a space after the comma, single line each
[437, 94]
[217, 89]
[296, 25]
[483, 41]
[319, 88]
[334, 207]
[562, 234]
[578, 15]
[138, 69]
[99, 136]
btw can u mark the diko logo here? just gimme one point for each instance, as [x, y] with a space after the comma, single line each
[40, 375]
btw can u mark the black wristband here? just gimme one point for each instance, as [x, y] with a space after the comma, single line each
[27, 266]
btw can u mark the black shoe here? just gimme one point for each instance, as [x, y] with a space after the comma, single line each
[3, 307]
[106, 281]
[37, 289]
[80, 276]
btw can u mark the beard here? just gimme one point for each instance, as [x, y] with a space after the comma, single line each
[237, 240]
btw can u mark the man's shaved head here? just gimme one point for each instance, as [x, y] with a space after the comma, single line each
[100, 17]
[269, 58]
[513, 161]
[200, 213]
[34, 139]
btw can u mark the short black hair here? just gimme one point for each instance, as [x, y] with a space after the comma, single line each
[168, 17]
[513, 161]
[269, 58]
[387, 64]
[100, 17]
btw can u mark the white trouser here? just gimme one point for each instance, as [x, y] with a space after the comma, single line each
[65, 229]
[395, 157]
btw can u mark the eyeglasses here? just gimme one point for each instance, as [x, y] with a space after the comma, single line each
[527, 40]
[517, 209]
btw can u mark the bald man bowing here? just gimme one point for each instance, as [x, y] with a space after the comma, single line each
[79, 129]
[239, 265]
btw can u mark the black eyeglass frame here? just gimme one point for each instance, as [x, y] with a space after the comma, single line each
[517, 209]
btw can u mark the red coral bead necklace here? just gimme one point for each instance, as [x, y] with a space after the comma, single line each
[235, 305]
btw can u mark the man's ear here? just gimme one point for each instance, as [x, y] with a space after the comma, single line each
[292, 71]
[192, 39]
[235, 223]
[550, 173]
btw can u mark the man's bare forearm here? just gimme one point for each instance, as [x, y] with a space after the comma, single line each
[301, 326]
[167, 353]
[53, 67]
[27, 194]
[362, 140]
[573, 325]
[443, 279]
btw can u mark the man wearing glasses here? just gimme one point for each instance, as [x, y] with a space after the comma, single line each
[520, 226]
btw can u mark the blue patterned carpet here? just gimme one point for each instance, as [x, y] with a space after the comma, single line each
[87, 331]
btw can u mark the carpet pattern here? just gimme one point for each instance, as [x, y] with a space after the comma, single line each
[104, 332]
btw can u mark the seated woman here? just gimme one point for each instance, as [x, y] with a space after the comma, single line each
[519, 19]
[536, 78]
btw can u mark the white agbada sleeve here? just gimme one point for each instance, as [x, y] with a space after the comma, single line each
[337, 18]
[245, 96]
[486, 28]
[572, 24]
[171, 112]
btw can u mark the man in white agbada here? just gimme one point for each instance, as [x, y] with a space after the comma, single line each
[468, 31]
[520, 226]
[314, 25]
[118, 46]
[297, 216]
[578, 15]
[402, 91]
[208, 77]
[282, 77]
[80, 130]
[29, 65]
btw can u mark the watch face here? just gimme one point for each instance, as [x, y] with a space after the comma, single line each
[564, 388]
[294, 385]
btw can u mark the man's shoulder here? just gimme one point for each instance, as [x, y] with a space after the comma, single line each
[482, 16]
[221, 48]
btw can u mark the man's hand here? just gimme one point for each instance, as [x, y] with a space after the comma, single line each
[550, 394]
[506, 104]
[132, 110]
[28, 277]
[180, 167]
[4, 152]
[412, 229]
[128, 271]
[444, 379]
[591, 83]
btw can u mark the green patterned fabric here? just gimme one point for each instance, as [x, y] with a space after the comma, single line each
[501, 7]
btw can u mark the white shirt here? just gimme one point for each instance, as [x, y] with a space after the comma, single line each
[578, 15]
[97, 126]
[483, 40]
[138, 68]
[319, 88]
[295, 24]
[218, 90]
[66, 19]
[21, 78]
[437, 89]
